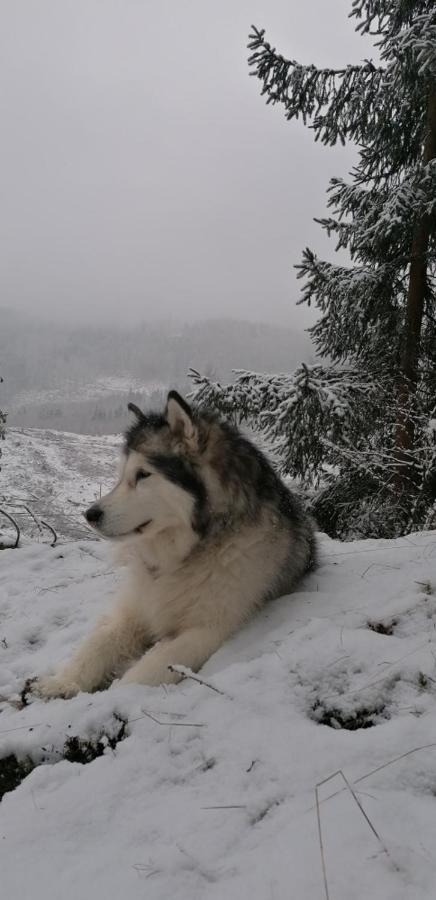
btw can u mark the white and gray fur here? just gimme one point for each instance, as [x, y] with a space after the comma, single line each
[210, 533]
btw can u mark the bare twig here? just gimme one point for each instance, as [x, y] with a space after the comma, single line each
[32, 516]
[186, 673]
[55, 537]
[11, 519]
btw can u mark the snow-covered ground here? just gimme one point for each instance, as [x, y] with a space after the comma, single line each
[57, 475]
[212, 795]
[100, 387]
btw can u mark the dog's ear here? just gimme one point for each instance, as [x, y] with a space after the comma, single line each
[136, 411]
[179, 416]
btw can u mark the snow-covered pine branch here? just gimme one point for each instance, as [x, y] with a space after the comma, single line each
[360, 422]
[296, 412]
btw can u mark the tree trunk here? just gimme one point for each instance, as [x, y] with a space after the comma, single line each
[414, 315]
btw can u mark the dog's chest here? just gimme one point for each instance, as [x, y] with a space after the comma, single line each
[186, 598]
[215, 590]
[172, 602]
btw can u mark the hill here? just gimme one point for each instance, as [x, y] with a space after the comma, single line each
[199, 791]
[54, 476]
[80, 378]
[199, 795]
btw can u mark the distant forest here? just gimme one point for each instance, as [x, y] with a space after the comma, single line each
[81, 378]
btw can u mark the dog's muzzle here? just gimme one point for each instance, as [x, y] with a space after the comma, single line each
[94, 515]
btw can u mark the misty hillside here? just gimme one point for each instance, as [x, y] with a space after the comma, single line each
[79, 378]
[52, 476]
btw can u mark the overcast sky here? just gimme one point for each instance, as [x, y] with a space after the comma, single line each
[142, 173]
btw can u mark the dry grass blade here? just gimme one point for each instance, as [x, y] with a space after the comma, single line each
[386, 675]
[24, 727]
[394, 760]
[228, 806]
[364, 814]
[321, 845]
[349, 788]
[148, 715]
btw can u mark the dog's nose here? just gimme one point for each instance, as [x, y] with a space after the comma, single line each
[94, 514]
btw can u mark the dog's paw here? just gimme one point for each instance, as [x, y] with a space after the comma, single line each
[46, 687]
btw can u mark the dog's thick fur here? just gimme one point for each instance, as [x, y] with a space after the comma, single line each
[211, 534]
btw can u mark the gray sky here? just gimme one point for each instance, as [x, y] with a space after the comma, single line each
[142, 174]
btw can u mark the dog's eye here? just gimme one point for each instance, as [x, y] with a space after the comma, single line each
[142, 474]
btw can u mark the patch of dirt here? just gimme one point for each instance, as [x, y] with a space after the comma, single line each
[386, 627]
[12, 772]
[83, 751]
[361, 717]
[75, 749]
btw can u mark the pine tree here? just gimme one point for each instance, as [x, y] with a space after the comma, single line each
[365, 422]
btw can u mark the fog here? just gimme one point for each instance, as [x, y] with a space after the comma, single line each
[80, 378]
[143, 175]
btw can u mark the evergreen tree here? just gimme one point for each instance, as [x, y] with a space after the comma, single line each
[364, 423]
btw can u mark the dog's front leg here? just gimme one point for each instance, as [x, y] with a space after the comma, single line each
[191, 648]
[106, 652]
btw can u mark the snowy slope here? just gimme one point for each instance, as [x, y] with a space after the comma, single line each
[72, 391]
[57, 475]
[212, 795]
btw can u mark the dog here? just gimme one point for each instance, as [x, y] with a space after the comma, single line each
[211, 534]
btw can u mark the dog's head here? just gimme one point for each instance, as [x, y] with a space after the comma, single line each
[160, 485]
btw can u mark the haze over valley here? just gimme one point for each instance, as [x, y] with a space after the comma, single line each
[80, 378]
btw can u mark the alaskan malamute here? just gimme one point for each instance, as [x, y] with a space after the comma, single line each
[211, 533]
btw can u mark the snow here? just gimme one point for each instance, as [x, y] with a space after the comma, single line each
[212, 795]
[100, 387]
[57, 475]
